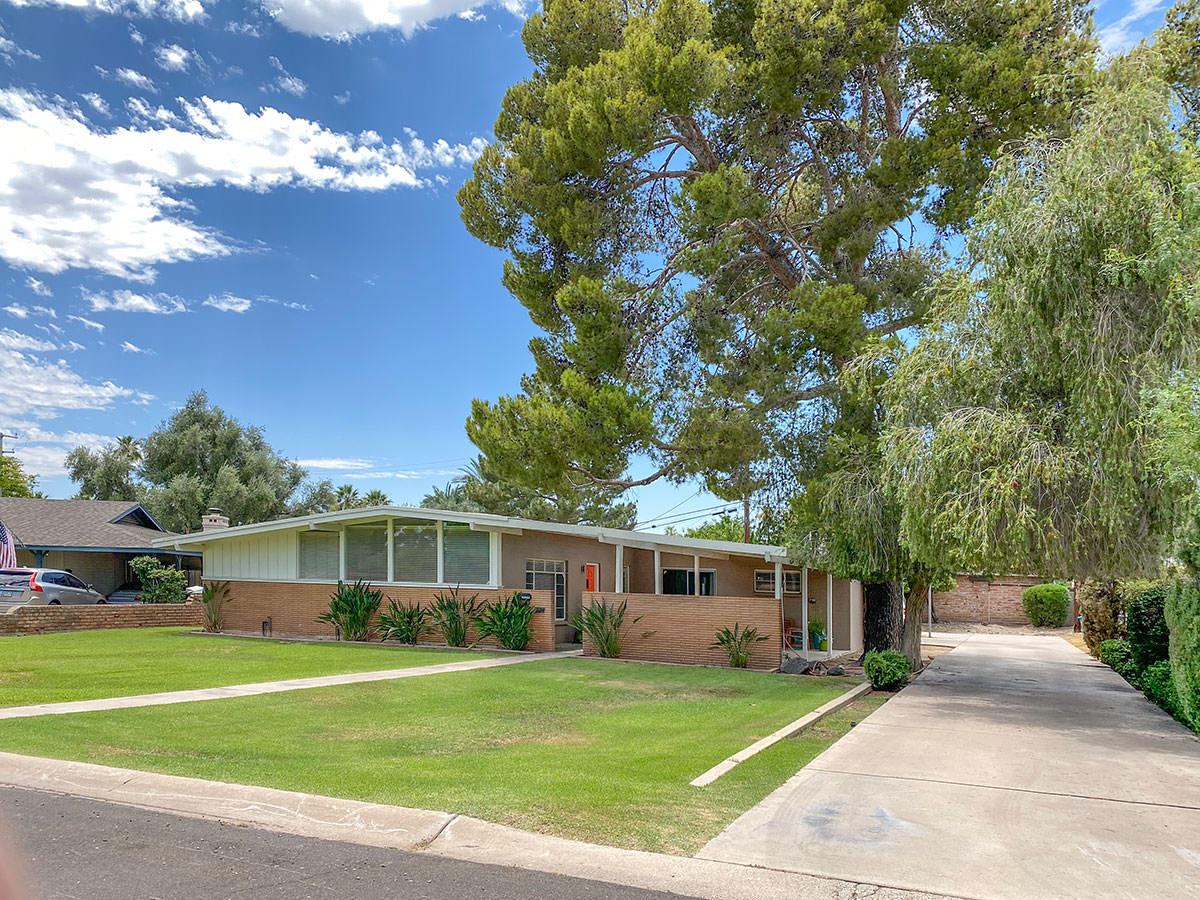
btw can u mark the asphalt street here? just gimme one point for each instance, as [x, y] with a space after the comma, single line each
[76, 849]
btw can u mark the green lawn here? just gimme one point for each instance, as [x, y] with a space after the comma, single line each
[589, 749]
[85, 665]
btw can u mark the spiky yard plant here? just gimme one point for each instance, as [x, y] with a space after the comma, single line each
[351, 608]
[403, 622]
[507, 621]
[603, 624]
[453, 615]
[212, 602]
[738, 642]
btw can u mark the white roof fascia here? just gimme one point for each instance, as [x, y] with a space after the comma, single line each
[486, 522]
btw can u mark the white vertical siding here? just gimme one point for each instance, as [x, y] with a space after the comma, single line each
[273, 555]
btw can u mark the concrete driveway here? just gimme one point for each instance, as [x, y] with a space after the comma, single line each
[1015, 767]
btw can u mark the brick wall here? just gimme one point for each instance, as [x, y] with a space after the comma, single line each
[294, 608]
[683, 628]
[47, 619]
[996, 602]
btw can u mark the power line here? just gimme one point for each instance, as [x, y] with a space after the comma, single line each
[723, 509]
[676, 506]
[685, 512]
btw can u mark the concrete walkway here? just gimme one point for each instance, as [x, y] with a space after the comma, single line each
[1015, 767]
[268, 687]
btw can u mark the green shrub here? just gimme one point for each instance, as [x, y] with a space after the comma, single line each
[887, 669]
[160, 584]
[1115, 654]
[452, 615]
[507, 621]
[1182, 612]
[1159, 687]
[351, 608]
[213, 599]
[737, 642]
[403, 622]
[1146, 625]
[602, 623]
[1047, 605]
[1100, 608]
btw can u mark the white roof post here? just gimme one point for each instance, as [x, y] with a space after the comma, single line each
[657, 571]
[696, 574]
[829, 613]
[779, 598]
[804, 609]
[342, 553]
[391, 550]
[619, 570]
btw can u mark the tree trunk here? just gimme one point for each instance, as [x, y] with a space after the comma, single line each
[883, 606]
[914, 615]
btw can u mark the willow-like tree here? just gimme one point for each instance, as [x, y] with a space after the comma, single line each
[711, 208]
[1030, 426]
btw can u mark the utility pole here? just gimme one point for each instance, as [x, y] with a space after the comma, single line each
[746, 519]
[2, 437]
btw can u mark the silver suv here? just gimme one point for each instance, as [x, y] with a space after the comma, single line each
[44, 587]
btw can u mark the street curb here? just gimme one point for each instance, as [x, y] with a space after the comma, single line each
[786, 731]
[440, 834]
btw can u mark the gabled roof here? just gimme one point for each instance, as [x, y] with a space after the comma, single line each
[486, 522]
[80, 524]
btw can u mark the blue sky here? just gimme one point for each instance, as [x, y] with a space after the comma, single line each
[258, 200]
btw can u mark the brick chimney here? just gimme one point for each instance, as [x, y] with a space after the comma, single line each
[213, 520]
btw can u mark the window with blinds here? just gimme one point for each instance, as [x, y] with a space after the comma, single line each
[415, 555]
[466, 554]
[366, 552]
[319, 554]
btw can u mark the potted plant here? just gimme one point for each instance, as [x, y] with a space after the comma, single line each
[816, 633]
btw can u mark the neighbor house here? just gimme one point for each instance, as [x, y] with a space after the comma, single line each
[92, 539]
[680, 590]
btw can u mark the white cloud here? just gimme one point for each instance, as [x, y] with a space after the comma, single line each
[44, 452]
[341, 99]
[1123, 34]
[229, 303]
[285, 81]
[342, 19]
[472, 15]
[128, 301]
[334, 463]
[98, 103]
[31, 385]
[21, 311]
[180, 10]
[86, 323]
[133, 348]
[246, 29]
[136, 36]
[75, 195]
[38, 287]
[9, 51]
[173, 58]
[135, 80]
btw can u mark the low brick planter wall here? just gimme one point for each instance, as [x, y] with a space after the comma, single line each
[294, 607]
[681, 629]
[48, 619]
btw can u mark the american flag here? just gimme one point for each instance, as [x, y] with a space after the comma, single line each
[8, 550]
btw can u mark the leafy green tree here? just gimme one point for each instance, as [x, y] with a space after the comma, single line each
[1026, 427]
[199, 457]
[765, 528]
[315, 497]
[479, 489]
[14, 482]
[711, 209]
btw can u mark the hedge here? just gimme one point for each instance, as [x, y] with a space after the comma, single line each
[1115, 654]
[1182, 613]
[1047, 605]
[1146, 625]
[1100, 608]
[887, 669]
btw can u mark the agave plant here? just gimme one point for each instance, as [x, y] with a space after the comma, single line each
[212, 600]
[602, 623]
[403, 622]
[452, 615]
[738, 642]
[351, 608]
[507, 621]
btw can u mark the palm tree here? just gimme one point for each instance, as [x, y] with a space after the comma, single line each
[347, 497]
[376, 498]
[129, 447]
